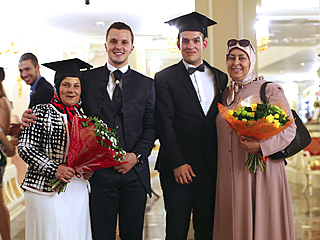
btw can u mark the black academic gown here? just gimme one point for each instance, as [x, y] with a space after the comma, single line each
[186, 135]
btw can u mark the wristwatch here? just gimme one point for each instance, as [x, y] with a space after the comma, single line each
[139, 157]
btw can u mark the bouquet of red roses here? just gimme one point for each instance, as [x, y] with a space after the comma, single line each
[259, 120]
[93, 146]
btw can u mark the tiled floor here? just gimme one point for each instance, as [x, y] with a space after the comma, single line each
[306, 212]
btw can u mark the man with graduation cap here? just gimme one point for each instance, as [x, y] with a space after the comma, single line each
[186, 106]
[41, 89]
[124, 99]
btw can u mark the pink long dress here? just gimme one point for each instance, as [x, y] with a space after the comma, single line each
[252, 206]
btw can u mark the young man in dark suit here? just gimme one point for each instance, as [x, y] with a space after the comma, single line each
[124, 99]
[186, 107]
[41, 89]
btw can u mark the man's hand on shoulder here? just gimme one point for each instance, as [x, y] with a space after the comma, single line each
[27, 117]
[184, 174]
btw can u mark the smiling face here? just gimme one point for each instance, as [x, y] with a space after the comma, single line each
[238, 64]
[28, 72]
[191, 44]
[70, 90]
[119, 46]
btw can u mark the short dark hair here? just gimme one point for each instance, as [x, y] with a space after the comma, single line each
[120, 26]
[29, 56]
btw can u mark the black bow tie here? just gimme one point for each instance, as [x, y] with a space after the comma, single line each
[193, 69]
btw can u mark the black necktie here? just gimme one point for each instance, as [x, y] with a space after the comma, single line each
[193, 69]
[117, 95]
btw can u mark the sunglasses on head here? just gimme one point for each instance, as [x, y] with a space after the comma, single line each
[242, 43]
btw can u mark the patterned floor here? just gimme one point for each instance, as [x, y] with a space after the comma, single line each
[306, 212]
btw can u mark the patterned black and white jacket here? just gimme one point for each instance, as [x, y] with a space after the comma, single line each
[42, 146]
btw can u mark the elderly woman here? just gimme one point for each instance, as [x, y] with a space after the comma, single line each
[250, 205]
[44, 147]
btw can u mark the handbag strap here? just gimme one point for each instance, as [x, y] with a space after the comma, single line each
[264, 100]
[263, 92]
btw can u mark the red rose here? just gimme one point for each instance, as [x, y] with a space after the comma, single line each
[107, 142]
[84, 120]
[98, 138]
[90, 123]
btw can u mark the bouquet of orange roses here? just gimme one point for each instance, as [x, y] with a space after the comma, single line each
[93, 146]
[260, 121]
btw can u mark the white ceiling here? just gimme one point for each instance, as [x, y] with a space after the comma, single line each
[292, 23]
[46, 20]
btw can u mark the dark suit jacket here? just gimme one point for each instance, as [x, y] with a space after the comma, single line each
[138, 112]
[42, 94]
[186, 134]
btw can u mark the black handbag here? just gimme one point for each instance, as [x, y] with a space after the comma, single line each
[302, 138]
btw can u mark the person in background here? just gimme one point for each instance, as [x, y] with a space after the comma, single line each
[251, 205]
[41, 89]
[187, 94]
[44, 147]
[9, 149]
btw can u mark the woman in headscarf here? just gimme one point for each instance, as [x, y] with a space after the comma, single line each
[44, 147]
[5, 111]
[250, 205]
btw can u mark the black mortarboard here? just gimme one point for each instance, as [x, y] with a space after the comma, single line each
[192, 22]
[1, 74]
[67, 68]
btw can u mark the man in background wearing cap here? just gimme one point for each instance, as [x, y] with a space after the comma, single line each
[41, 89]
[186, 106]
[124, 99]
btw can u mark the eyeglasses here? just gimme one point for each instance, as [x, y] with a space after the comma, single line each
[242, 43]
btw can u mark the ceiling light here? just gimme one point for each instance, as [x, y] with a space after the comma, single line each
[100, 24]
[302, 64]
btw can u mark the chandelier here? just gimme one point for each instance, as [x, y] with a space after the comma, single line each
[172, 44]
[262, 34]
[8, 48]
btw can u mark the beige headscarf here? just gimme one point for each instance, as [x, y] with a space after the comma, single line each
[249, 78]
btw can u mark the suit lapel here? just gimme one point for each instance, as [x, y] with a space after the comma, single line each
[32, 100]
[186, 81]
[217, 90]
[105, 81]
[127, 85]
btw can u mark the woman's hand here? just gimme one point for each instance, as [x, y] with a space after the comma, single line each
[65, 173]
[87, 175]
[250, 144]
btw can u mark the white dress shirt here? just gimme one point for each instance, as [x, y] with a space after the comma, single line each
[203, 83]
